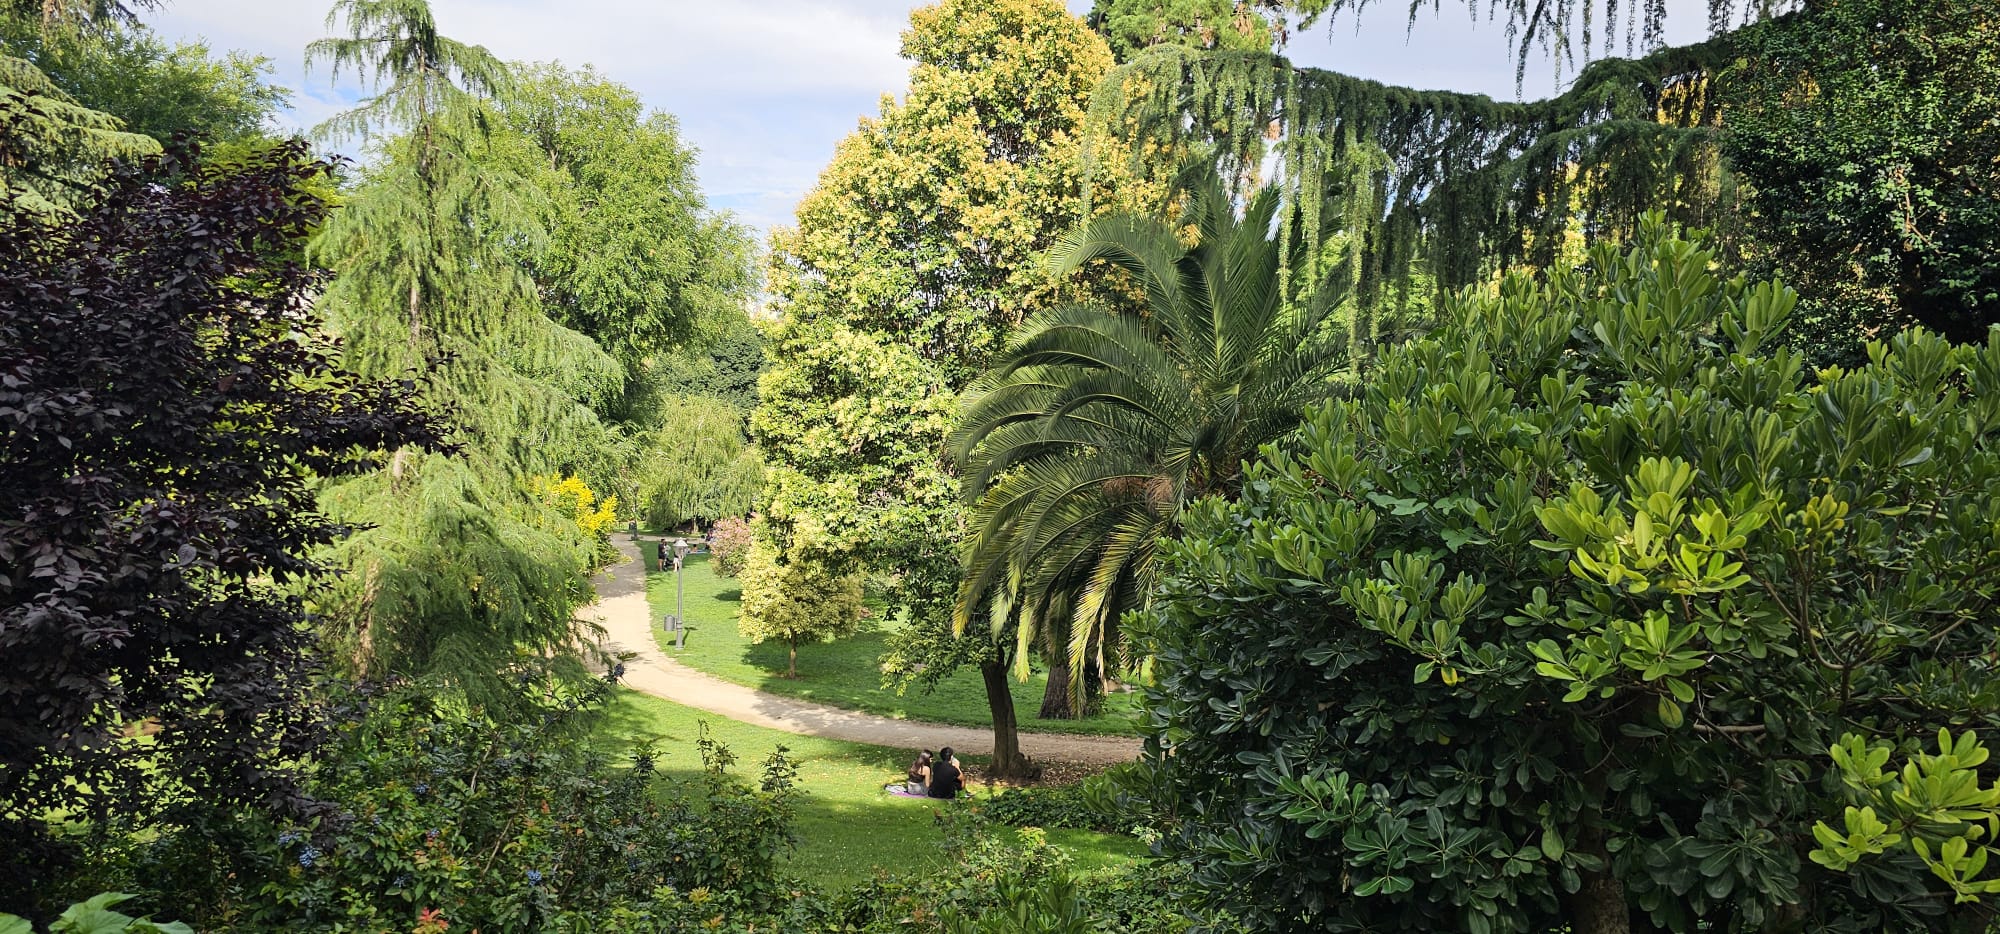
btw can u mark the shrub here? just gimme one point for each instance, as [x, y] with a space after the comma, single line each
[571, 501]
[729, 543]
[496, 826]
[1554, 622]
[1014, 881]
[95, 916]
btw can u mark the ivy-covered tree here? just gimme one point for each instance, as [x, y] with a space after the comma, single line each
[915, 255]
[168, 405]
[1554, 622]
[1873, 163]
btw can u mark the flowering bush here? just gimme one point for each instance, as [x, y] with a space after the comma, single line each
[571, 500]
[729, 542]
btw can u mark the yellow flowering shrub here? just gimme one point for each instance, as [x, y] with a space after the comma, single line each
[574, 500]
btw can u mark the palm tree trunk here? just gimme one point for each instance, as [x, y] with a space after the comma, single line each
[1055, 697]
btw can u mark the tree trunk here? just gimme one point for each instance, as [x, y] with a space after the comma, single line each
[792, 666]
[416, 316]
[1007, 759]
[1599, 906]
[1055, 697]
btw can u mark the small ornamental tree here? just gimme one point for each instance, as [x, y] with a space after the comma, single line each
[167, 408]
[729, 544]
[1554, 624]
[796, 602]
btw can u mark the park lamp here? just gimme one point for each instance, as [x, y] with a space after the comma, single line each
[677, 623]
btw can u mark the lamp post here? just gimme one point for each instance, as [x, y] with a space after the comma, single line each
[681, 548]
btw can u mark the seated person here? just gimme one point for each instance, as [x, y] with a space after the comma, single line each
[946, 781]
[919, 774]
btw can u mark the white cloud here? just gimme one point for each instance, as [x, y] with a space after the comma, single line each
[766, 89]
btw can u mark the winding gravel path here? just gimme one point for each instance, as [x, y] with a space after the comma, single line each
[621, 609]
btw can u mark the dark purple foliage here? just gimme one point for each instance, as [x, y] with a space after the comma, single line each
[167, 401]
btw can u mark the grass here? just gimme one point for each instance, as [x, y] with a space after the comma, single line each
[846, 673]
[848, 826]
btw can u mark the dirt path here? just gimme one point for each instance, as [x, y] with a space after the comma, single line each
[621, 609]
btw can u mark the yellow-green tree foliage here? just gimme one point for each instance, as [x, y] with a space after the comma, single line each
[911, 261]
[696, 465]
[796, 602]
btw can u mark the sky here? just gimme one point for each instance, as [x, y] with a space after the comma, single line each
[765, 89]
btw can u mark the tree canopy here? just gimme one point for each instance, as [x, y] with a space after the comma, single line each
[169, 406]
[1460, 186]
[1093, 428]
[52, 149]
[152, 87]
[912, 259]
[1556, 621]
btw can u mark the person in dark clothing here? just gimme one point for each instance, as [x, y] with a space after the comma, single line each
[946, 780]
[919, 774]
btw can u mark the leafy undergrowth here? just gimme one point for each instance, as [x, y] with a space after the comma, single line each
[848, 826]
[846, 673]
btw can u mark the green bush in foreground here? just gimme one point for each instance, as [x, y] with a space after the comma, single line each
[496, 826]
[1556, 621]
[95, 916]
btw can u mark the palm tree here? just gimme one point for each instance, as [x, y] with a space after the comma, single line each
[1082, 443]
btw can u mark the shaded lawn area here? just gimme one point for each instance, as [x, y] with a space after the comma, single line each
[847, 825]
[845, 673]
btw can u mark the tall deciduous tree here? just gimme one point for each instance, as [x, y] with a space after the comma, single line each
[916, 254]
[634, 257]
[153, 87]
[168, 404]
[697, 466]
[1095, 427]
[1132, 25]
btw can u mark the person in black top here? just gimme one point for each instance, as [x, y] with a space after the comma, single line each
[919, 773]
[946, 780]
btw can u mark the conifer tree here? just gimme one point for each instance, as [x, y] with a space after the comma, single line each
[462, 572]
[51, 147]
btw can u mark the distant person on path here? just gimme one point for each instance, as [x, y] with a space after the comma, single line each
[920, 774]
[946, 779]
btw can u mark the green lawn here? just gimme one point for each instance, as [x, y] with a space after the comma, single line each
[848, 826]
[846, 673]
